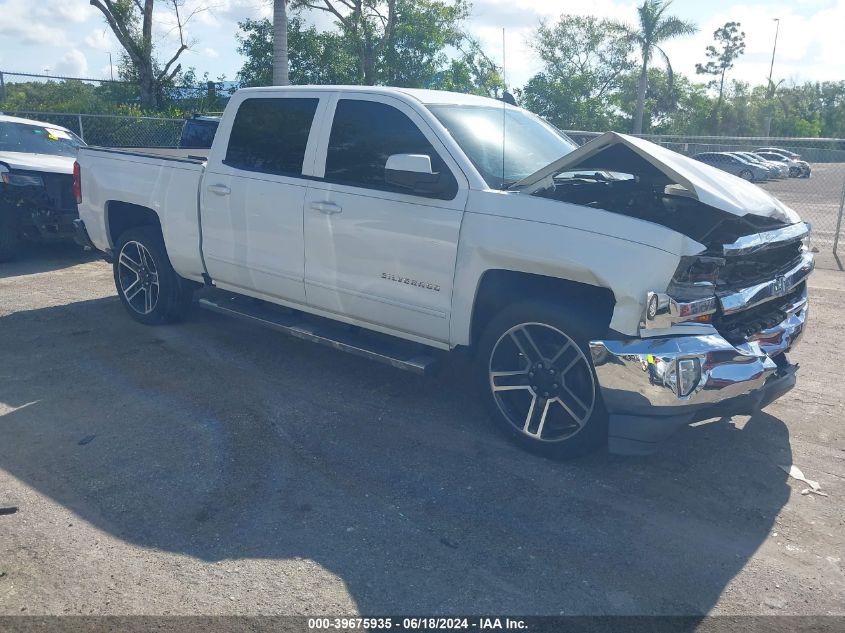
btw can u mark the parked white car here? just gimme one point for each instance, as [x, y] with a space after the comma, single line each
[615, 290]
[36, 178]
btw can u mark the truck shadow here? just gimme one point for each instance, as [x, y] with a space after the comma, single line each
[219, 441]
[43, 258]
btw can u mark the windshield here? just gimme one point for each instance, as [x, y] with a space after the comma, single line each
[530, 142]
[38, 139]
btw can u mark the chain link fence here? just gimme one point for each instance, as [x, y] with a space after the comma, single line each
[818, 199]
[108, 130]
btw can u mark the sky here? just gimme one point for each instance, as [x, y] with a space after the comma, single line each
[69, 37]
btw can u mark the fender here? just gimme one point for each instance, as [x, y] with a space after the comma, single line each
[569, 242]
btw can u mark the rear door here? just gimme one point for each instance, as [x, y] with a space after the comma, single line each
[376, 253]
[253, 194]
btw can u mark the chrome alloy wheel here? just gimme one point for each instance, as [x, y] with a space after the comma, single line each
[138, 277]
[542, 382]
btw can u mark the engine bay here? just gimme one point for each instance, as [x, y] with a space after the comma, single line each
[656, 200]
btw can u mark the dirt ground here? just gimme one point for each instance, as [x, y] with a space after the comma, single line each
[215, 468]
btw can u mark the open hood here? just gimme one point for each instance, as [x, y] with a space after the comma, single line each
[631, 155]
[49, 163]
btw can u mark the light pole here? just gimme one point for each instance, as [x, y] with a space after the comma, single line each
[771, 86]
[774, 49]
[111, 68]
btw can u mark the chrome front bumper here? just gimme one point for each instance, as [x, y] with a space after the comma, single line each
[639, 382]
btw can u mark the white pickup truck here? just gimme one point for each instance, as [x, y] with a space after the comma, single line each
[608, 293]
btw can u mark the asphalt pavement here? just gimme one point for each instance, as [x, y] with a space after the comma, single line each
[212, 467]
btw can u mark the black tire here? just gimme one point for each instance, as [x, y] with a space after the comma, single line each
[156, 294]
[9, 239]
[574, 422]
[746, 174]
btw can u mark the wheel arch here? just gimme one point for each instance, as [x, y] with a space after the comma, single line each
[498, 288]
[121, 216]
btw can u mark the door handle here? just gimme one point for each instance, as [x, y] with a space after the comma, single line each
[220, 190]
[329, 208]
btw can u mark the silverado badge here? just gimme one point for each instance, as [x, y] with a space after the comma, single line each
[411, 282]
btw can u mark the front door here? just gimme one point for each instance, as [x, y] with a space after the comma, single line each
[374, 252]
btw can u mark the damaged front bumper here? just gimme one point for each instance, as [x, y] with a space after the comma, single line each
[44, 212]
[653, 386]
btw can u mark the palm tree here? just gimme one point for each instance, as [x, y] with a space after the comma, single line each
[280, 43]
[654, 28]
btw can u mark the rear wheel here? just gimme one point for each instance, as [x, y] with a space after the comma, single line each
[147, 285]
[538, 380]
[746, 174]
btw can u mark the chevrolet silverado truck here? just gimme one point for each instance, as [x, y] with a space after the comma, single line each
[608, 294]
[36, 196]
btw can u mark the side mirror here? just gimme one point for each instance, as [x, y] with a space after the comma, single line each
[413, 172]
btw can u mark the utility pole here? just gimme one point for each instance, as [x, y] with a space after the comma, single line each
[770, 86]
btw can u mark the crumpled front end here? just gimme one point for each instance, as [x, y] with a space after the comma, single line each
[41, 204]
[719, 354]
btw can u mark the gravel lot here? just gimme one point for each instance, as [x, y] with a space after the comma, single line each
[217, 468]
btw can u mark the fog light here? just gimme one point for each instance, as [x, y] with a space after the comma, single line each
[688, 375]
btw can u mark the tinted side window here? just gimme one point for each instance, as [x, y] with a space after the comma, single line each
[364, 134]
[269, 135]
[197, 134]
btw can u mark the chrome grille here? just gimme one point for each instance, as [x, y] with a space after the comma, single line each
[753, 268]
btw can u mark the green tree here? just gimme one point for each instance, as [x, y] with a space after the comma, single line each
[653, 28]
[831, 95]
[682, 107]
[584, 62]
[131, 21]
[471, 72]
[731, 45]
[314, 57]
[401, 42]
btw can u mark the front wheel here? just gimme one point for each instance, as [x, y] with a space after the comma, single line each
[147, 285]
[538, 381]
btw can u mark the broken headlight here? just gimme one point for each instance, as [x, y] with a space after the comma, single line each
[691, 295]
[19, 180]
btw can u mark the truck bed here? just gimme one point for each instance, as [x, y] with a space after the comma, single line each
[163, 180]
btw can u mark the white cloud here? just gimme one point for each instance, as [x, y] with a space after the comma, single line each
[810, 43]
[62, 11]
[521, 18]
[35, 34]
[17, 25]
[101, 40]
[809, 46]
[72, 64]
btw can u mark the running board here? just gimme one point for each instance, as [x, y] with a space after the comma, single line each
[379, 347]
